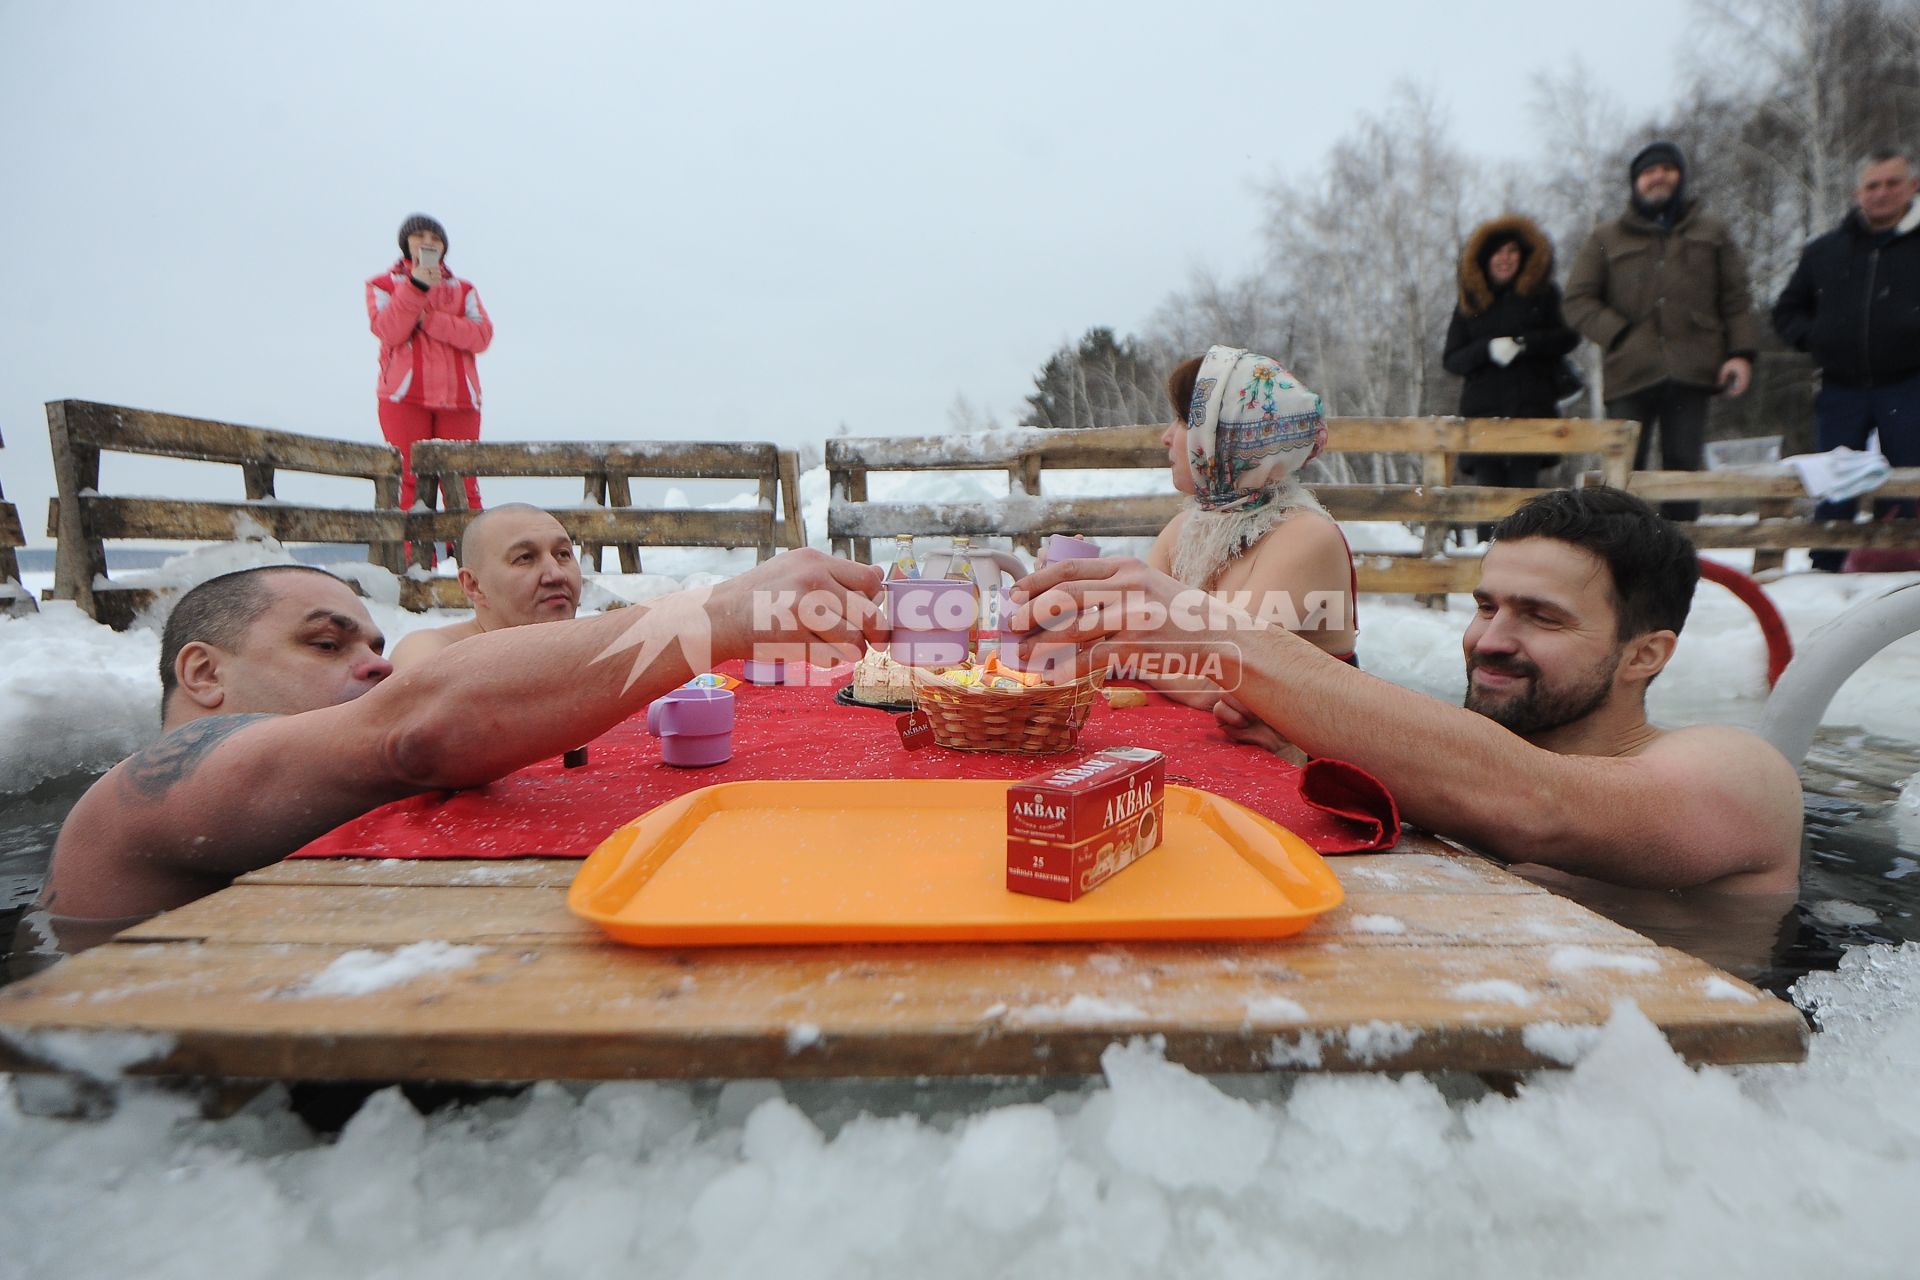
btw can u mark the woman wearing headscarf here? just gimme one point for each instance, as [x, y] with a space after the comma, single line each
[1242, 428]
[1508, 340]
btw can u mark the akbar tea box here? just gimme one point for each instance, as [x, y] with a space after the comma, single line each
[1068, 830]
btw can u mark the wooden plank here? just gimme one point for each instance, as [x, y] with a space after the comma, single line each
[1806, 533]
[1139, 446]
[1479, 435]
[666, 459]
[199, 521]
[420, 594]
[1411, 574]
[644, 526]
[387, 916]
[11, 534]
[523, 1012]
[1749, 484]
[499, 873]
[123, 430]
[1439, 945]
[1096, 517]
[1141, 515]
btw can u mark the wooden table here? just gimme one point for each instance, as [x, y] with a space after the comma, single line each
[1438, 961]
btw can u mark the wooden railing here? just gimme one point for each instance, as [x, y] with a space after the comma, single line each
[15, 599]
[1026, 514]
[608, 517]
[1783, 512]
[83, 519]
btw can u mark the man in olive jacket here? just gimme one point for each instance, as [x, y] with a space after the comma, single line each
[1854, 303]
[1662, 290]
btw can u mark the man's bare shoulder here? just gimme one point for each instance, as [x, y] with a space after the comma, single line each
[1750, 791]
[1723, 747]
[418, 646]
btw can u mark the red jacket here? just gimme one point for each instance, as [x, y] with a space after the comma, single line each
[428, 340]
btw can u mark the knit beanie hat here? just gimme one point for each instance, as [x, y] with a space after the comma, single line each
[421, 222]
[1656, 153]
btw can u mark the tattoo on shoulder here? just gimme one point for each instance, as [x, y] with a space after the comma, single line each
[155, 769]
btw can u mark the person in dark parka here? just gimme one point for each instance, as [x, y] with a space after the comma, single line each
[1507, 339]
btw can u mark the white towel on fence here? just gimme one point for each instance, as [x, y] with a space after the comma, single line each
[1839, 474]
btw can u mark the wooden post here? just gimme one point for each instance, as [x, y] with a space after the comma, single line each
[258, 477]
[1435, 469]
[619, 494]
[857, 492]
[426, 492]
[390, 556]
[1024, 478]
[838, 493]
[595, 492]
[1770, 508]
[1616, 464]
[14, 598]
[795, 523]
[769, 502]
[79, 558]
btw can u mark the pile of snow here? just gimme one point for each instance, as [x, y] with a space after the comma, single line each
[1630, 1163]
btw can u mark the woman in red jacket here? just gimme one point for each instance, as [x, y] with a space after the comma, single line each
[431, 325]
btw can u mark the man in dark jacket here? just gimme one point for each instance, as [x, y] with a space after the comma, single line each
[1662, 289]
[1854, 303]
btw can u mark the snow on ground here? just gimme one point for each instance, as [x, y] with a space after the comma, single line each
[1630, 1163]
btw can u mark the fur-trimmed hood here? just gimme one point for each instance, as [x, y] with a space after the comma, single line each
[1536, 267]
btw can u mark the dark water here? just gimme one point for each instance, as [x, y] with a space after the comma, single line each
[1859, 885]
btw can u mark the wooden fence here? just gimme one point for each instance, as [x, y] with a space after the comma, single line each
[14, 598]
[1027, 514]
[1783, 511]
[82, 519]
[608, 516]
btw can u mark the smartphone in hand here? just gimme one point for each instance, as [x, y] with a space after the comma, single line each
[426, 256]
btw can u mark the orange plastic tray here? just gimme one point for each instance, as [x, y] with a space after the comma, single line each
[923, 861]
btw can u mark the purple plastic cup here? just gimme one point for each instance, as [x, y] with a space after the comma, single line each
[695, 727]
[1064, 546]
[931, 620]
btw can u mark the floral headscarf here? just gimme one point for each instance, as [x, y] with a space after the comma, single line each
[1250, 427]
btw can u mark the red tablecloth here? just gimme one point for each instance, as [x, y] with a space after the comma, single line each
[545, 810]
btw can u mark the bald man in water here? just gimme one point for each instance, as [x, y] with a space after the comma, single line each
[517, 566]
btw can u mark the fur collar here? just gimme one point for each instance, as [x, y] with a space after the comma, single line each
[1476, 291]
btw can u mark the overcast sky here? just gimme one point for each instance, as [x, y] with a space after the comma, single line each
[689, 221]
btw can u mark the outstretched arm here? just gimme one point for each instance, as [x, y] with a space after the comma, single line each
[1700, 806]
[223, 795]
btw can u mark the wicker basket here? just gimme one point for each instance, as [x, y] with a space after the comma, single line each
[1037, 721]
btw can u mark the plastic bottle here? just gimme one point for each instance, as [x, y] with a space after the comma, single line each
[904, 564]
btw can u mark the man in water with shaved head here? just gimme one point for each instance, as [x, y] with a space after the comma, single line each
[517, 566]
